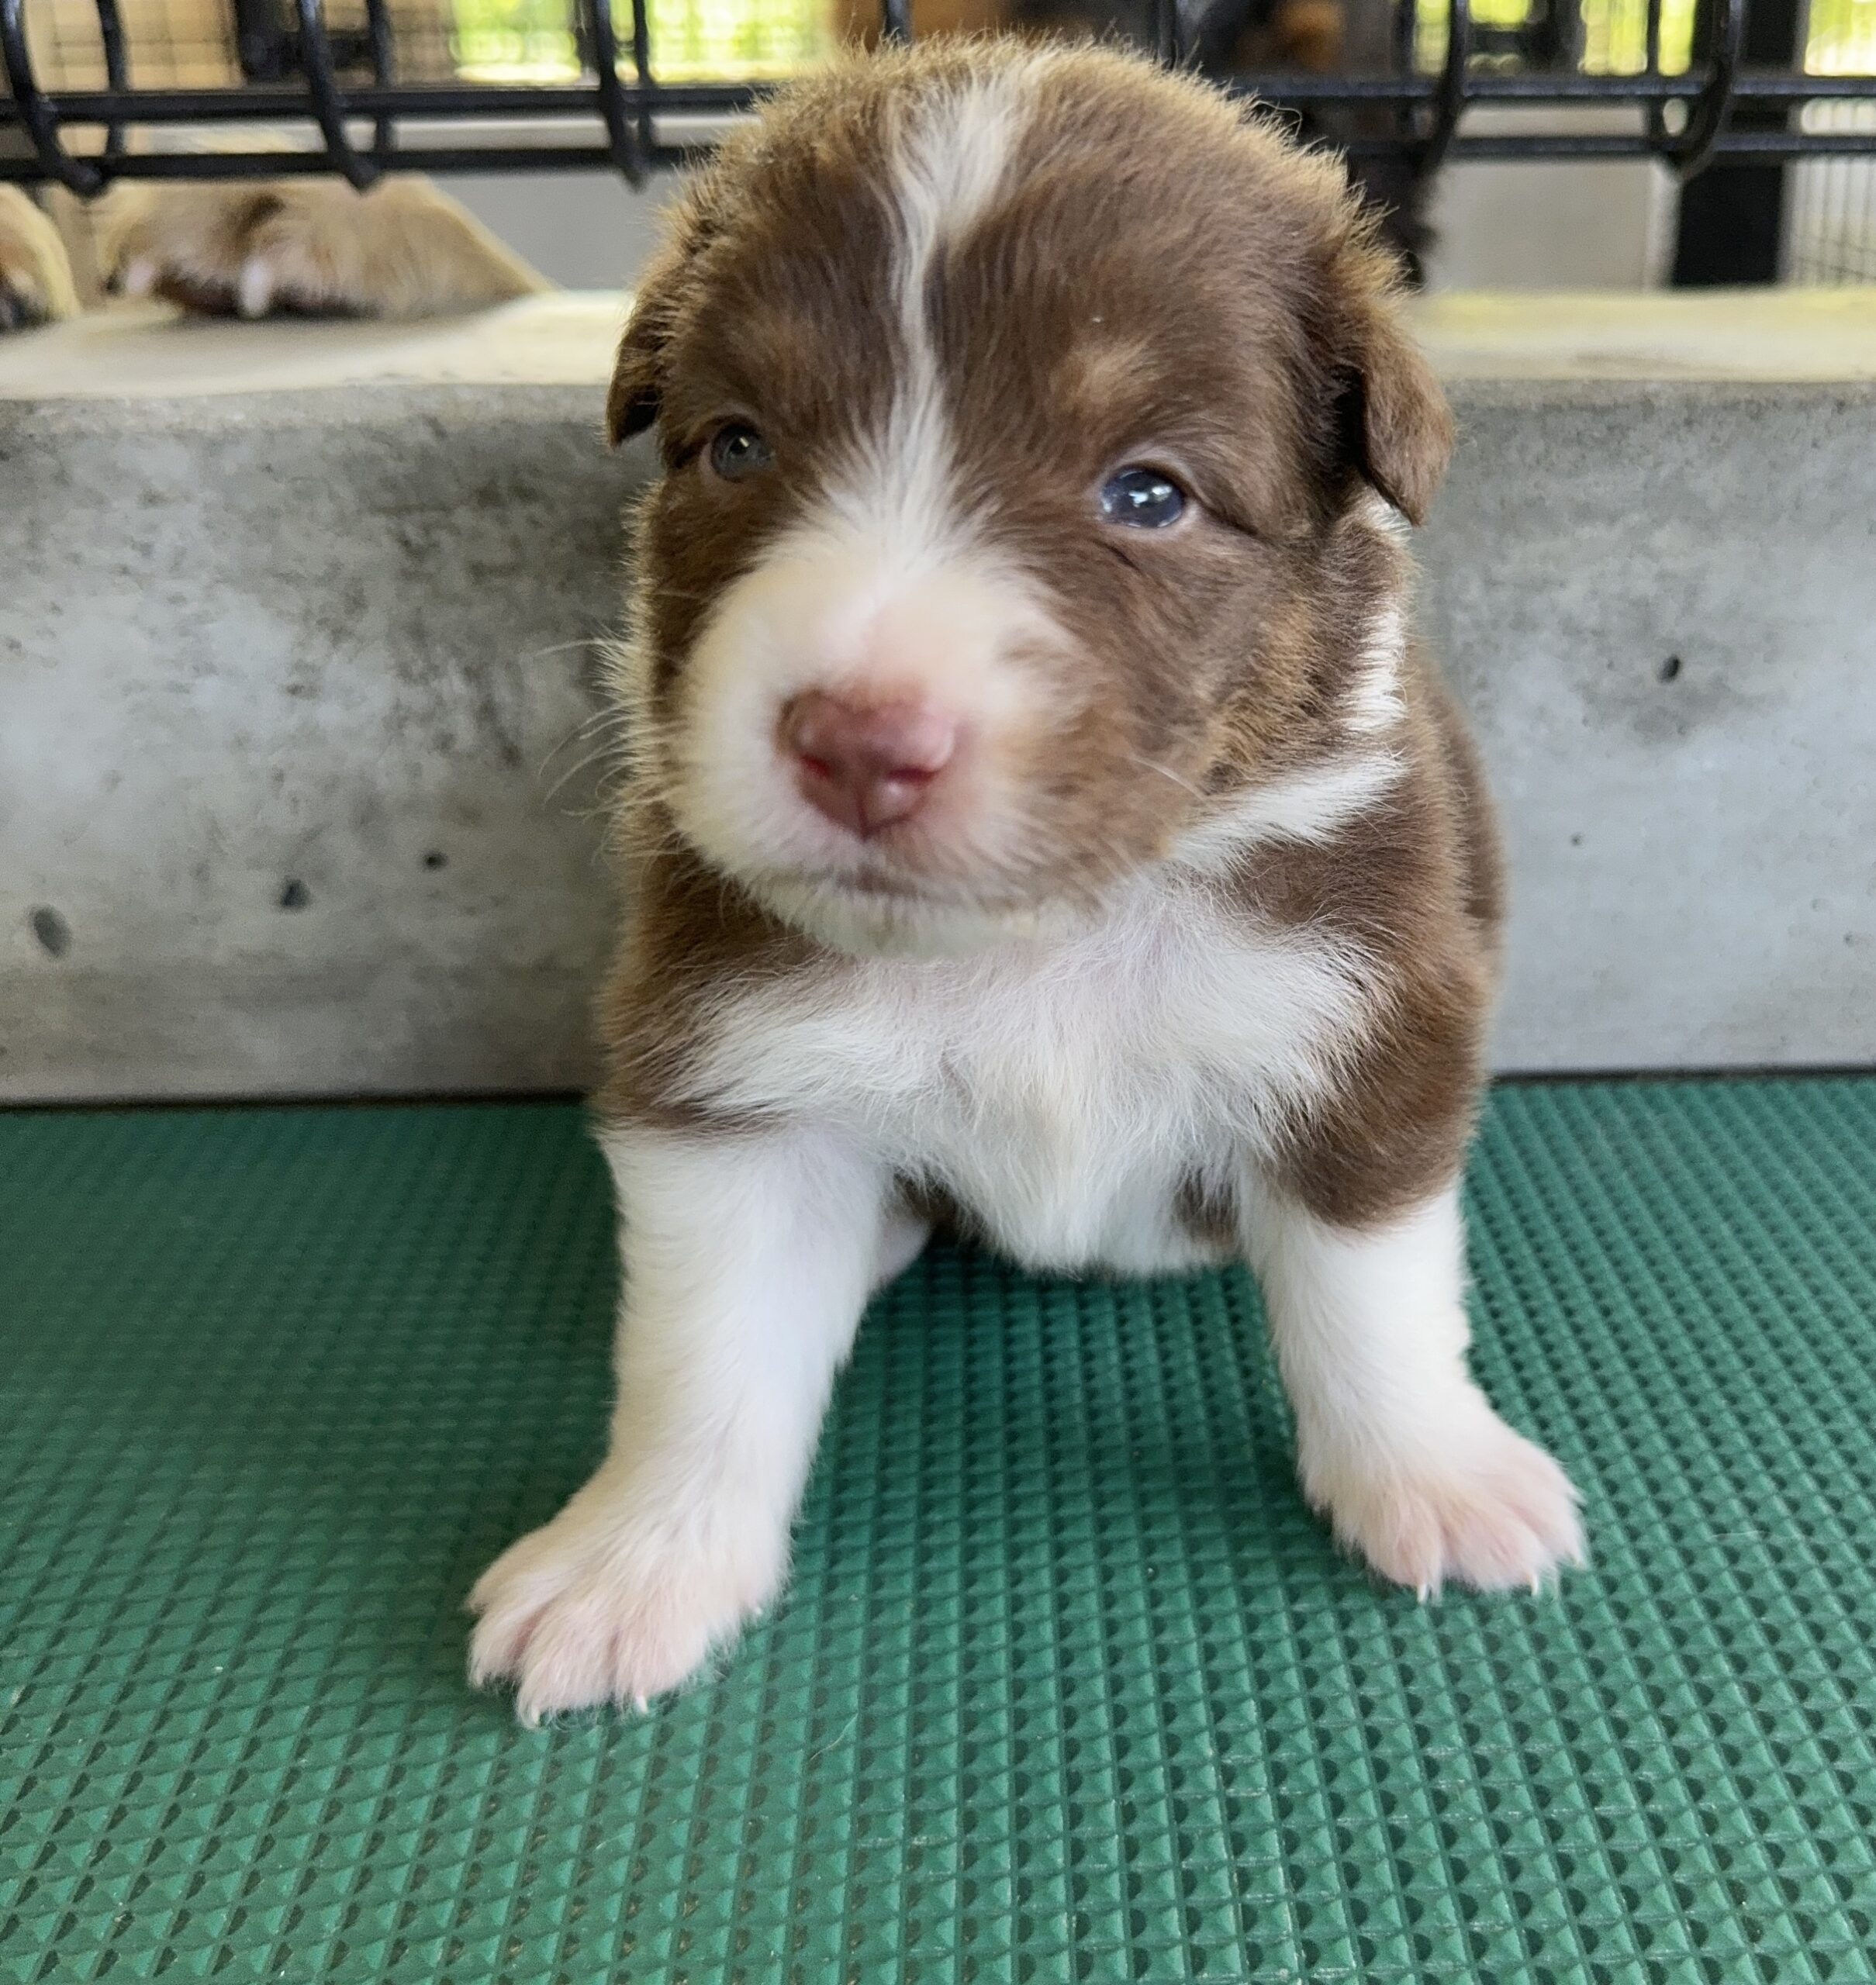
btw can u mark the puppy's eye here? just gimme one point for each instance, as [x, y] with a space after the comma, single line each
[1146, 498]
[738, 451]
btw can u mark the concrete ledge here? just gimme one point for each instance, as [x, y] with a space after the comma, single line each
[295, 629]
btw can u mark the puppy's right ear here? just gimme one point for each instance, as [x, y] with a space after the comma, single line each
[638, 372]
[665, 293]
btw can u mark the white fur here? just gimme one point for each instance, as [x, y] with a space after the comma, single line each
[1312, 805]
[746, 1264]
[1376, 510]
[1374, 703]
[884, 589]
[1067, 1076]
[1064, 1090]
[841, 605]
[1064, 1087]
[950, 160]
[255, 288]
[1394, 1441]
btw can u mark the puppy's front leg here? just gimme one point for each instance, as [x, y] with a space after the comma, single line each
[747, 1258]
[1395, 1442]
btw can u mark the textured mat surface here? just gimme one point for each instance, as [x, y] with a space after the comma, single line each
[1069, 1686]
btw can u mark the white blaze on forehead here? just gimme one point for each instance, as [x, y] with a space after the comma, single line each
[950, 160]
[883, 587]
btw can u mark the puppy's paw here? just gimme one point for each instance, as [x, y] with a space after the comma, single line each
[313, 248]
[35, 283]
[1483, 1507]
[619, 1599]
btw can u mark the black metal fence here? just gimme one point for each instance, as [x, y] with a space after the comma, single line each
[1456, 79]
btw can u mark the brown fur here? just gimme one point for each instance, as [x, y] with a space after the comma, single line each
[1198, 283]
[691, 934]
[1415, 882]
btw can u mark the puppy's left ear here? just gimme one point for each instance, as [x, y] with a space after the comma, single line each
[1396, 427]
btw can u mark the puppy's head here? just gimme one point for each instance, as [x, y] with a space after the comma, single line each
[1032, 424]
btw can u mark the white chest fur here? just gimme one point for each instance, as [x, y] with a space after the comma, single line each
[1064, 1090]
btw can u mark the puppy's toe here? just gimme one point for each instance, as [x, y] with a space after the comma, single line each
[606, 1605]
[1487, 1509]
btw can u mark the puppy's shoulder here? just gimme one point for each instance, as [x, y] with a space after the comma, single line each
[692, 940]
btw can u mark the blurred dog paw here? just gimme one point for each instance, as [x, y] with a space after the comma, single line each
[36, 284]
[313, 247]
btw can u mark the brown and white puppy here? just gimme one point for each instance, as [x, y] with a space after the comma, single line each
[1038, 809]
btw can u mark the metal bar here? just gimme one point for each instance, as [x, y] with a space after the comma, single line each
[1708, 119]
[573, 128]
[1731, 230]
[1450, 104]
[263, 45]
[494, 102]
[163, 167]
[116, 67]
[328, 103]
[416, 101]
[643, 136]
[1657, 123]
[895, 20]
[1406, 18]
[33, 108]
[615, 104]
[377, 29]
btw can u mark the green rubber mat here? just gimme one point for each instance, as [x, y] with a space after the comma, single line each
[1068, 1687]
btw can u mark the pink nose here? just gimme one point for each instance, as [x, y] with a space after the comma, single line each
[866, 767]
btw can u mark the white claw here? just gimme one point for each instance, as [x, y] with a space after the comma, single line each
[139, 276]
[641, 1705]
[254, 293]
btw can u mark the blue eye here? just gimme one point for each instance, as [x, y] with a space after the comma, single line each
[1147, 498]
[738, 451]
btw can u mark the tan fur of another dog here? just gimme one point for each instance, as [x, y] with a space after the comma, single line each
[404, 250]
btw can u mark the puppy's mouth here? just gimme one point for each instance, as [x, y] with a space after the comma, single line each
[878, 883]
[873, 907]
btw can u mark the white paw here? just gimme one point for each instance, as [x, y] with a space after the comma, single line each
[617, 1600]
[1482, 1506]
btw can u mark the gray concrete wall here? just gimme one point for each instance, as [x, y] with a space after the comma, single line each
[295, 630]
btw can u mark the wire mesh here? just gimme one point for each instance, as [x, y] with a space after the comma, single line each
[1831, 223]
